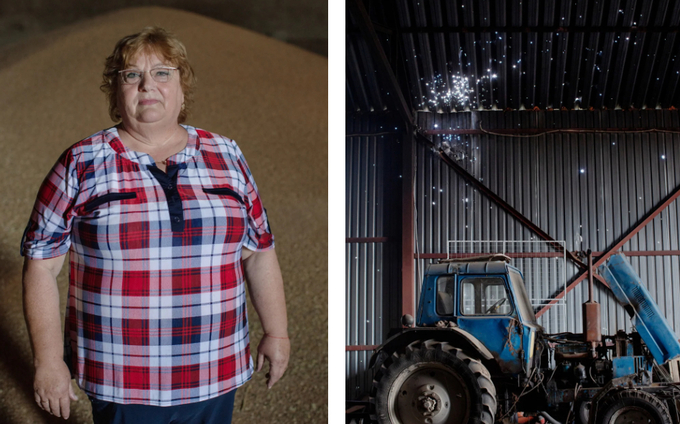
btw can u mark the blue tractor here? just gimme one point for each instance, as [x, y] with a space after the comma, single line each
[477, 355]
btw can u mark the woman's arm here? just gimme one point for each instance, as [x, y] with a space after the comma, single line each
[52, 382]
[265, 284]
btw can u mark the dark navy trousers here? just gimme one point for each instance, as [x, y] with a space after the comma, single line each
[217, 410]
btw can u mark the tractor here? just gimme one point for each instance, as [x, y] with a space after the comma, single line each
[476, 354]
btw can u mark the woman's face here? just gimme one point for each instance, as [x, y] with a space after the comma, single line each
[149, 101]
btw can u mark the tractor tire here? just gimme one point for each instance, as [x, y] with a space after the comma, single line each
[632, 406]
[583, 411]
[433, 382]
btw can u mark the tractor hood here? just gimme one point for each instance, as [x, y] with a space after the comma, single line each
[645, 314]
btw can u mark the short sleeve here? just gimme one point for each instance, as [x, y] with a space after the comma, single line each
[259, 235]
[48, 233]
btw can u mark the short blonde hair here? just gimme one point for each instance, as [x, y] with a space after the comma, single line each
[149, 40]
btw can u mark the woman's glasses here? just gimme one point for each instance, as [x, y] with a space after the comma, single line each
[134, 76]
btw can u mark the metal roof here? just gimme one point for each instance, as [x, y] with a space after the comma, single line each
[453, 55]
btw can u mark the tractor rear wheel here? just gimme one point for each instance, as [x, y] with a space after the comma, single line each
[632, 406]
[432, 382]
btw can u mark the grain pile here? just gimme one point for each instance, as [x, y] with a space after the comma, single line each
[268, 96]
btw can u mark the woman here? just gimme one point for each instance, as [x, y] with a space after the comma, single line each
[163, 223]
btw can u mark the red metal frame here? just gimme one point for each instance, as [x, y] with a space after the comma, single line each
[547, 254]
[366, 240]
[407, 238]
[360, 348]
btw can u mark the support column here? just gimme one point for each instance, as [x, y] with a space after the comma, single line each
[407, 238]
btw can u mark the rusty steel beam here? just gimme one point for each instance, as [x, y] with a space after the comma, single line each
[408, 285]
[606, 254]
[515, 255]
[360, 348]
[652, 252]
[366, 240]
[471, 255]
[546, 254]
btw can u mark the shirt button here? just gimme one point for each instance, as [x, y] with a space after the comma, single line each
[176, 218]
[169, 187]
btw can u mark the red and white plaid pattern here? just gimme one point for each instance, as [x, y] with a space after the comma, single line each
[156, 310]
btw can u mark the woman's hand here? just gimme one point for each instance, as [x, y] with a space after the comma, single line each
[263, 276]
[276, 350]
[52, 382]
[52, 388]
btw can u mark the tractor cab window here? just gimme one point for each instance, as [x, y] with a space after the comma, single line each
[484, 296]
[445, 295]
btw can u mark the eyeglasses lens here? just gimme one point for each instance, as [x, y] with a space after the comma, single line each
[161, 75]
[158, 75]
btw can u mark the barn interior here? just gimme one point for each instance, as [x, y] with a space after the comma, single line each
[507, 126]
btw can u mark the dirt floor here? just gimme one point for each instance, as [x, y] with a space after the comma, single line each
[269, 96]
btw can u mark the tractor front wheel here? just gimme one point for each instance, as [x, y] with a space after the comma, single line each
[433, 383]
[632, 406]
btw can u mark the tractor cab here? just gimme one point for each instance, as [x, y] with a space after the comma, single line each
[486, 298]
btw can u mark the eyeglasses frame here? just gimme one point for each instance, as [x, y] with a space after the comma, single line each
[145, 72]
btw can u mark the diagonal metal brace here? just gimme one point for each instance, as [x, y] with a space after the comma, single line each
[606, 254]
[505, 206]
[509, 209]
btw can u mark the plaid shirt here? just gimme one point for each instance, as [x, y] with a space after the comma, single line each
[156, 311]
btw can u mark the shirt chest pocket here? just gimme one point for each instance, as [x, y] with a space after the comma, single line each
[228, 210]
[224, 191]
[92, 205]
[108, 221]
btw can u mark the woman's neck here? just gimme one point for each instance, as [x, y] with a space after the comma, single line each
[159, 144]
[151, 137]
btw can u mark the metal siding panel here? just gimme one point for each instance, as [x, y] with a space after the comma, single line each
[673, 76]
[541, 178]
[544, 80]
[531, 70]
[606, 235]
[516, 85]
[491, 178]
[626, 96]
[437, 202]
[661, 71]
[589, 68]
[558, 89]
[364, 323]
[574, 71]
[355, 82]
[418, 93]
[648, 69]
[349, 178]
[618, 172]
[500, 88]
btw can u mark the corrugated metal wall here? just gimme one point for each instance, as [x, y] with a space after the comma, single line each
[372, 150]
[585, 188]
